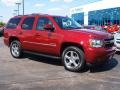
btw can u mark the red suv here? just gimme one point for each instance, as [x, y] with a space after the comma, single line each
[59, 37]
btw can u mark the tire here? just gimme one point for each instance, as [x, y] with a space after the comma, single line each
[73, 59]
[15, 49]
[1, 34]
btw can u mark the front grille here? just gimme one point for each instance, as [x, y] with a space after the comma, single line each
[118, 42]
[109, 43]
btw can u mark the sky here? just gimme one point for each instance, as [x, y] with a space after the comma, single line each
[54, 7]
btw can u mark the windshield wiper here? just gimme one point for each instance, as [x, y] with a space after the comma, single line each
[73, 28]
[78, 28]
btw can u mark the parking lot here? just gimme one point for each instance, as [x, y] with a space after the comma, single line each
[38, 73]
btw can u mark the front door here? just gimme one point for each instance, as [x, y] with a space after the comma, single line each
[45, 41]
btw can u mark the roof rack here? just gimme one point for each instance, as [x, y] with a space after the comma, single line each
[31, 14]
[35, 14]
[38, 14]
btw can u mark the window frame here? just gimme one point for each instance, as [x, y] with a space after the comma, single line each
[42, 18]
[10, 27]
[26, 24]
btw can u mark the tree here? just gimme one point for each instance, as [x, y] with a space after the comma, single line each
[2, 24]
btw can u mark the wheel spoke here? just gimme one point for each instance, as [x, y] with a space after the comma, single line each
[17, 48]
[67, 57]
[72, 53]
[12, 48]
[76, 58]
[15, 53]
[75, 64]
[69, 64]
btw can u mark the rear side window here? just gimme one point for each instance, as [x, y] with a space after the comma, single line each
[12, 24]
[28, 23]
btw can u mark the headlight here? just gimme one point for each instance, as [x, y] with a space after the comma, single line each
[96, 43]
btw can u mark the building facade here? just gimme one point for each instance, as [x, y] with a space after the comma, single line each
[97, 13]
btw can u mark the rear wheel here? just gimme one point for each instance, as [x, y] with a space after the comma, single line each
[15, 49]
[73, 59]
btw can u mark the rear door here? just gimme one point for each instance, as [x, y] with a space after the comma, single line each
[26, 33]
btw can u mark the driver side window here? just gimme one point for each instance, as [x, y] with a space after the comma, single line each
[41, 22]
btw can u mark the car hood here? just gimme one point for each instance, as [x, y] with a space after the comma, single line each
[94, 33]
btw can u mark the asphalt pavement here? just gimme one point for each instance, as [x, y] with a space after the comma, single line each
[39, 73]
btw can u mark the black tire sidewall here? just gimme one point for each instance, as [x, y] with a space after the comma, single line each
[81, 55]
[20, 49]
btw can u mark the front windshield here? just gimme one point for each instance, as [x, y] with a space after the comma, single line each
[67, 23]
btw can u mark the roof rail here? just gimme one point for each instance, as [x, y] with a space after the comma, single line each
[40, 13]
[37, 14]
[21, 15]
[31, 14]
[18, 15]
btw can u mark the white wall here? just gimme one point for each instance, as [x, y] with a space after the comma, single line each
[104, 4]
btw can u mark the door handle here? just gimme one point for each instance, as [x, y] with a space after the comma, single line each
[20, 33]
[37, 34]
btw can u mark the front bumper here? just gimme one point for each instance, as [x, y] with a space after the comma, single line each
[117, 47]
[99, 55]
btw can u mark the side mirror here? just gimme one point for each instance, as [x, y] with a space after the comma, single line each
[49, 27]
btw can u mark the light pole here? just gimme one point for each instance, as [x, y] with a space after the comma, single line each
[14, 14]
[23, 6]
[1, 18]
[16, 11]
[18, 6]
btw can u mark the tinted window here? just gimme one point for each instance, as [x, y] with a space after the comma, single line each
[41, 22]
[12, 24]
[79, 17]
[28, 23]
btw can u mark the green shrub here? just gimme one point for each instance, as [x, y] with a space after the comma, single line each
[2, 24]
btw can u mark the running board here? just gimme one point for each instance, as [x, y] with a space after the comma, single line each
[44, 55]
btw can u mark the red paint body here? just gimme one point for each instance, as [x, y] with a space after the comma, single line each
[52, 42]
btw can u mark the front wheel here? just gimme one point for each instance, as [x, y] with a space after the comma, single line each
[73, 59]
[15, 49]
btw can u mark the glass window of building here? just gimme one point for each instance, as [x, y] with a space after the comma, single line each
[104, 17]
[79, 17]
